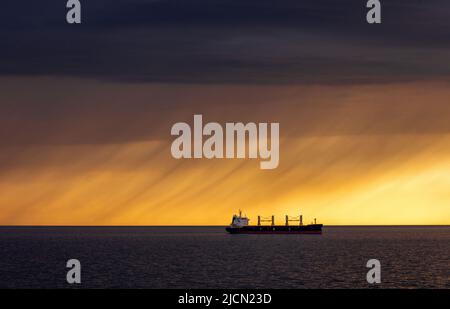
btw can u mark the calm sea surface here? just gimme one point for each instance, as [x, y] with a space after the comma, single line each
[207, 257]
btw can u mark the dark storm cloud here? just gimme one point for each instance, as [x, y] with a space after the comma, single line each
[205, 41]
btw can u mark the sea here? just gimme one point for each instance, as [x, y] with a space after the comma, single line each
[207, 257]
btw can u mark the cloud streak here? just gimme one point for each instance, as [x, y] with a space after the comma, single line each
[348, 154]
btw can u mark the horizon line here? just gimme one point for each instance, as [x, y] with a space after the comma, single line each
[332, 225]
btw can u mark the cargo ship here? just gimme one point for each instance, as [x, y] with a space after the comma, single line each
[239, 225]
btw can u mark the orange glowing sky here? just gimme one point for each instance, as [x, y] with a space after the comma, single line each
[362, 154]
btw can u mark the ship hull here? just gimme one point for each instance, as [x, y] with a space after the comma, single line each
[276, 229]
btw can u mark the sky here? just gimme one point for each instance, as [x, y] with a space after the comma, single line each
[86, 111]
